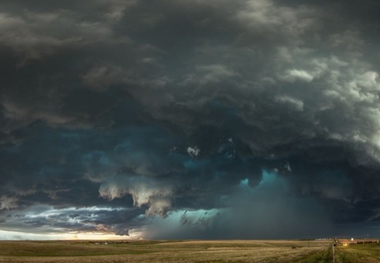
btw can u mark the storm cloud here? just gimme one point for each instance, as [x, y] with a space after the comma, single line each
[189, 119]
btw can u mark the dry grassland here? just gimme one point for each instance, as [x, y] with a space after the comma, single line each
[166, 251]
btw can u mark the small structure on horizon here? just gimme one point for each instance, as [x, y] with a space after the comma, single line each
[352, 239]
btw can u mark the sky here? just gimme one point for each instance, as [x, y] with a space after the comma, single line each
[189, 119]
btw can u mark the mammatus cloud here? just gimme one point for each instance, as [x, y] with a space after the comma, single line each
[214, 118]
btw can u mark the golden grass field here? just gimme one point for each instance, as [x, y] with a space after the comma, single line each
[186, 251]
[166, 251]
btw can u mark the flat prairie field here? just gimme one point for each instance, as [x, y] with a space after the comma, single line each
[357, 252]
[167, 251]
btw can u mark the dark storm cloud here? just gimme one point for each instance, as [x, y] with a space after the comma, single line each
[90, 219]
[169, 106]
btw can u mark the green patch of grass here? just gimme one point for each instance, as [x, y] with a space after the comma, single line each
[358, 253]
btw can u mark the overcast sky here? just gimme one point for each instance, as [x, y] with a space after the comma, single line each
[189, 119]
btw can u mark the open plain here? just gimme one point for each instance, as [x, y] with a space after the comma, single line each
[358, 251]
[305, 251]
[166, 251]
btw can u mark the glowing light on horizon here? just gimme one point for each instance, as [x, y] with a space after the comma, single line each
[16, 235]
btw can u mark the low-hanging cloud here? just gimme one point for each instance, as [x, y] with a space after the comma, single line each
[173, 106]
[144, 191]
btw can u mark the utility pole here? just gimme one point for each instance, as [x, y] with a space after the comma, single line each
[333, 252]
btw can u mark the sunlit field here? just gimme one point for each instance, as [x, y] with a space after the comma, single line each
[167, 251]
[318, 251]
[362, 251]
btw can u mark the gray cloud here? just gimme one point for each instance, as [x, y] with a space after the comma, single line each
[166, 107]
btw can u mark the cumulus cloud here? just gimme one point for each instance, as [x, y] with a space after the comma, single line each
[175, 106]
[8, 203]
[193, 151]
[294, 75]
[144, 191]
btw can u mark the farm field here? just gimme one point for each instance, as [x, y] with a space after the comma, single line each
[357, 253]
[167, 251]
